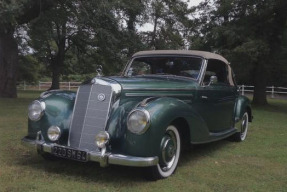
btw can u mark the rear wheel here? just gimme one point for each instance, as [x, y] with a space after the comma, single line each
[169, 156]
[241, 136]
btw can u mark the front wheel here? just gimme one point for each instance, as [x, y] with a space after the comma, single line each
[169, 156]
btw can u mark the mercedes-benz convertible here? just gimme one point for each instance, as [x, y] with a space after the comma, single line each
[163, 101]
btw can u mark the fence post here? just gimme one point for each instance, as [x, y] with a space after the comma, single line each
[242, 90]
[272, 92]
[69, 85]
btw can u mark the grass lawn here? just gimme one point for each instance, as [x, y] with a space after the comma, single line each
[258, 164]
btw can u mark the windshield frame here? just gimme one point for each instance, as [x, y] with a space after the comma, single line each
[126, 69]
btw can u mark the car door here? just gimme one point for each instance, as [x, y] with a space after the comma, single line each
[216, 100]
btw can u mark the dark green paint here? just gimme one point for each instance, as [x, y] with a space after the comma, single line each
[174, 99]
[58, 112]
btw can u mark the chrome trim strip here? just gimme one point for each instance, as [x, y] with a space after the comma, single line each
[157, 95]
[103, 159]
[223, 132]
[76, 99]
[159, 89]
[202, 73]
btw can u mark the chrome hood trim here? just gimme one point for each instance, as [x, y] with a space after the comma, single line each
[116, 87]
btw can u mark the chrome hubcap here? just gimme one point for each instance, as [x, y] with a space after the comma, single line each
[168, 151]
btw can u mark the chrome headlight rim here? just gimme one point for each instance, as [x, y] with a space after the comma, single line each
[148, 121]
[43, 107]
[57, 129]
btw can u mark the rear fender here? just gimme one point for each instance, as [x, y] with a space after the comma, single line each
[242, 105]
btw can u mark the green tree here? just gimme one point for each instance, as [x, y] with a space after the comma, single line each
[52, 35]
[249, 33]
[14, 13]
[109, 41]
[132, 14]
[170, 22]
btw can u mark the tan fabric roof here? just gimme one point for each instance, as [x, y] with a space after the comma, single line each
[204, 54]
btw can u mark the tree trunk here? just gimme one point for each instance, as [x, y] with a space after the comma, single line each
[58, 61]
[260, 83]
[57, 66]
[153, 42]
[8, 63]
[55, 75]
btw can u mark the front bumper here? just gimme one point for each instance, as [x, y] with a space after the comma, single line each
[104, 159]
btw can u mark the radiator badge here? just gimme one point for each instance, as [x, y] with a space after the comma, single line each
[101, 97]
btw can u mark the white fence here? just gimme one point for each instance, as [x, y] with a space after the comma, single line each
[46, 85]
[270, 90]
[244, 89]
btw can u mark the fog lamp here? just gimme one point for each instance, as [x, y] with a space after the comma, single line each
[102, 138]
[54, 133]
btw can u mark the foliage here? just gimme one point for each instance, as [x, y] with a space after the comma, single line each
[170, 20]
[248, 33]
[29, 69]
[74, 37]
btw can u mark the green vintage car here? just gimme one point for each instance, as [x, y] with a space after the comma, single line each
[162, 102]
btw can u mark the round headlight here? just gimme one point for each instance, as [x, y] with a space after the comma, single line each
[54, 133]
[138, 121]
[102, 138]
[36, 110]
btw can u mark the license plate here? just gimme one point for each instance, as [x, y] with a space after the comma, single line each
[69, 153]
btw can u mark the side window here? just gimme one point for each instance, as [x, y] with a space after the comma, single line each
[216, 68]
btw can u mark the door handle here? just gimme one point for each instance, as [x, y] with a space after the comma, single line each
[204, 97]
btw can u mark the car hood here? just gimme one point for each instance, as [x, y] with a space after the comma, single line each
[155, 82]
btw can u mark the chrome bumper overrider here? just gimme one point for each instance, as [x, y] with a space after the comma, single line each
[104, 159]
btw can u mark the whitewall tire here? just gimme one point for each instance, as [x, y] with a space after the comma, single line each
[169, 156]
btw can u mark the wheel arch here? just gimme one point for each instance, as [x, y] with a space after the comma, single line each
[165, 111]
[242, 105]
[184, 130]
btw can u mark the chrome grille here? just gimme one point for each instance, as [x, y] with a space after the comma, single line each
[90, 115]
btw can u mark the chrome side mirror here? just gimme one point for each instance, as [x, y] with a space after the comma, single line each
[213, 80]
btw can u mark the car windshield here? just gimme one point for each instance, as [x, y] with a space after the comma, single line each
[166, 65]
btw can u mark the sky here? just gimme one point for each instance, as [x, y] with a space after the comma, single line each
[149, 26]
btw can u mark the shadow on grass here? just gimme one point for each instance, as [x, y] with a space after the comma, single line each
[92, 172]
[89, 172]
[197, 152]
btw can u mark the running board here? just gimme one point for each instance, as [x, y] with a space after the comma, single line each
[223, 133]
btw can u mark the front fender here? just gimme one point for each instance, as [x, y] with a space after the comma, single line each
[58, 112]
[163, 112]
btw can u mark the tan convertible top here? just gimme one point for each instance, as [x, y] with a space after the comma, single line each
[204, 54]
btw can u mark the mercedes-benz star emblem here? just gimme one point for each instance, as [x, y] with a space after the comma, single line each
[101, 97]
